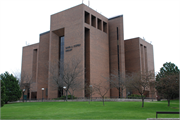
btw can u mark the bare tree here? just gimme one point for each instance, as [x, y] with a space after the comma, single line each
[139, 82]
[26, 81]
[90, 90]
[153, 91]
[55, 80]
[67, 76]
[76, 85]
[102, 88]
[168, 86]
[118, 81]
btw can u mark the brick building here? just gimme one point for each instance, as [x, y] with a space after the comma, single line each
[87, 35]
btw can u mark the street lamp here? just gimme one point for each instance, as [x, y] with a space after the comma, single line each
[42, 94]
[90, 91]
[66, 92]
[23, 94]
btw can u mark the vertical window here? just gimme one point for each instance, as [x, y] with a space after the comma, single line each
[93, 20]
[118, 51]
[142, 57]
[60, 91]
[61, 59]
[87, 17]
[61, 52]
[146, 63]
[46, 91]
[118, 59]
[87, 59]
[104, 27]
[99, 24]
[34, 67]
[117, 34]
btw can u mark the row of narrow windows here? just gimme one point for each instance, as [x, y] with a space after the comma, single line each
[101, 25]
[144, 66]
[142, 45]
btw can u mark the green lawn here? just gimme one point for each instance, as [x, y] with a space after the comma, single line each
[84, 110]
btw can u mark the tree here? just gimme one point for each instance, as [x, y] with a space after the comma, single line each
[118, 82]
[67, 76]
[153, 91]
[168, 86]
[13, 92]
[90, 90]
[140, 82]
[102, 88]
[25, 81]
[3, 94]
[76, 85]
[17, 75]
[167, 69]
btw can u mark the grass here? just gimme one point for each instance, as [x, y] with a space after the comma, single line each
[84, 110]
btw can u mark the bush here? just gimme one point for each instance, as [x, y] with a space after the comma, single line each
[71, 97]
[3, 95]
[135, 96]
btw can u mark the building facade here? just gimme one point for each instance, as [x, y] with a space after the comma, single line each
[98, 42]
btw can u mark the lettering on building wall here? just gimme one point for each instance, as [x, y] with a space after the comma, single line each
[69, 48]
[77, 45]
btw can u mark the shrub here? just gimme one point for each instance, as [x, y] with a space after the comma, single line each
[3, 95]
[71, 97]
[135, 96]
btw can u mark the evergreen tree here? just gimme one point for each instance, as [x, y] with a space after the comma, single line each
[3, 95]
[167, 81]
[13, 92]
[167, 69]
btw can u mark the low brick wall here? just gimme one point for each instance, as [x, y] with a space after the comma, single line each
[118, 100]
[74, 100]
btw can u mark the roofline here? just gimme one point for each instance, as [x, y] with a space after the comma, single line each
[132, 38]
[67, 9]
[44, 33]
[79, 5]
[139, 39]
[30, 45]
[115, 17]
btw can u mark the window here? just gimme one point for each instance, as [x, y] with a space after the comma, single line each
[87, 58]
[99, 24]
[93, 21]
[46, 91]
[118, 52]
[104, 27]
[61, 52]
[87, 17]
